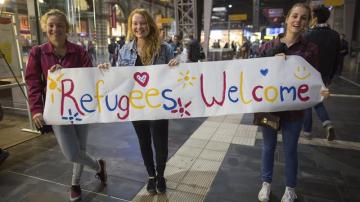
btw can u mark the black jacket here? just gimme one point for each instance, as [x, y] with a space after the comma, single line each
[194, 49]
[328, 42]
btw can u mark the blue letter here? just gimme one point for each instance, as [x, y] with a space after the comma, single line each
[282, 88]
[107, 102]
[83, 99]
[233, 89]
[170, 99]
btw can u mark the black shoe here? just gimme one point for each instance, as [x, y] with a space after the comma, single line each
[102, 175]
[151, 185]
[3, 155]
[161, 185]
[330, 133]
[75, 193]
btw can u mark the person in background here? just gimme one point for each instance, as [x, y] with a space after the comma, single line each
[245, 49]
[121, 42]
[59, 53]
[233, 46]
[216, 44]
[194, 49]
[92, 51]
[145, 47]
[292, 43]
[328, 42]
[176, 44]
[344, 50]
[162, 34]
[111, 49]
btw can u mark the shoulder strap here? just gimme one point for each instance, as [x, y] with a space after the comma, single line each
[38, 55]
[38, 63]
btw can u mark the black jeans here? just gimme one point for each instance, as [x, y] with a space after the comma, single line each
[157, 130]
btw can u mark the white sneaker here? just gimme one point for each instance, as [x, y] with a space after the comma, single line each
[306, 135]
[289, 195]
[264, 194]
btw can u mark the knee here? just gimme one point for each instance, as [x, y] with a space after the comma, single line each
[291, 154]
[73, 156]
[162, 154]
[145, 144]
[269, 148]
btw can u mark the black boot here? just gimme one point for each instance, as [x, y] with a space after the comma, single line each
[161, 184]
[151, 185]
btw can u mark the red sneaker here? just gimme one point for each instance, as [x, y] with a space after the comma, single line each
[75, 193]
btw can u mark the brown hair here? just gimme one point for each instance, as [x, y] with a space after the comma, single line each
[152, 40]
[54, 12]
[303, 5]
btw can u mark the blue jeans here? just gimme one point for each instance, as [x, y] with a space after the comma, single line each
[72, 142]
[290, 136]
[322, 114]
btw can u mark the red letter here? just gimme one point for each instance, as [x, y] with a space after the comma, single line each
[254, 93]
[303, 89]
[213, 98]
[122, 109]
[68, 94]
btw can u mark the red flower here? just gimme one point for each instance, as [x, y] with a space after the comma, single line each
[182, 110]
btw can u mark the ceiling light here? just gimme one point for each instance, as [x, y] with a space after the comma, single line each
[230, 6]
[219, 9]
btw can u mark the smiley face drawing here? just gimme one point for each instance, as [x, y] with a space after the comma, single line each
[301, 73]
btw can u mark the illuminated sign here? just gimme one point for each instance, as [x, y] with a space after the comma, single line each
[238, 17]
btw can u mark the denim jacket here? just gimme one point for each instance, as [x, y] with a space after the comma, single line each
[128, 54]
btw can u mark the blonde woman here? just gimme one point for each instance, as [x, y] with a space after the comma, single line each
[145, 47]
[58, 53]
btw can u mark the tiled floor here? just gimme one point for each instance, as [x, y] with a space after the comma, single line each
[214, 159]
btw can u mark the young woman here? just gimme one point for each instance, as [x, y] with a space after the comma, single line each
[55, 54]
[291, 43]
[144, 47]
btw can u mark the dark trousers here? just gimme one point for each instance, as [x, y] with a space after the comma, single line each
[341, 65]
[155, 131]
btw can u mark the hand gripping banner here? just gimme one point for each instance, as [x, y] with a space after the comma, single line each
[89, 95]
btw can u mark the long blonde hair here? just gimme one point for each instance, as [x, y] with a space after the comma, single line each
[152, 44]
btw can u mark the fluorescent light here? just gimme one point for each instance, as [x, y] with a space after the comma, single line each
[215, 17]
[219, 9]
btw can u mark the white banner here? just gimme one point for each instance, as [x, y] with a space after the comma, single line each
[88, 95]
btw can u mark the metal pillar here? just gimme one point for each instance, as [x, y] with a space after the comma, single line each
[256, 6]
[207, 19]
[185, 16]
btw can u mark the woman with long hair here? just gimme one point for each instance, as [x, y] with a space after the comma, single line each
[145, 47]
[290, 43]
